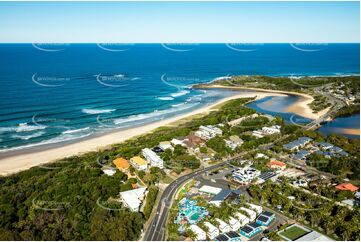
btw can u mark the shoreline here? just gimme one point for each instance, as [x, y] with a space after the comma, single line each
[300, 107]
[25, 159]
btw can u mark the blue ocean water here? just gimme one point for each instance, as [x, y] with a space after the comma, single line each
[53, 93]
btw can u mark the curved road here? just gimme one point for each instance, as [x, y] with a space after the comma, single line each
[156, 229]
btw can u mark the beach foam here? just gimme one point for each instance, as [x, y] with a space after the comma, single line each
[23, 127]
[165, 98]
[58, 139]
[180, 93]
[27, 137]
[75, 130]
[154, 114]
[97, 111]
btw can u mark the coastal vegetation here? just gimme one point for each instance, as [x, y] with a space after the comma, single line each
[348, 110]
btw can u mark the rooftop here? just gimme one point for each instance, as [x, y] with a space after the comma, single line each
[139, 160]
[347, 187]
[121, 163]
[276, 163]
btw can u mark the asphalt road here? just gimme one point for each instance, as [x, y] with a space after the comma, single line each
[156, 229]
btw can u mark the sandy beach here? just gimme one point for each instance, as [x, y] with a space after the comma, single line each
[300, 108]
[29, 158]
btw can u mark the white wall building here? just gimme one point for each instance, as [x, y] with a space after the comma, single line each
[251, 214]
[233, 142]
[200, 234]
[245, 175]
[210, 190]
[213, 231]
[256, 208]
[153, 159]
[275, 129]
[234, 223]
[165, 145]
[133, 198]
[208, 132]
[223, 226]
[177, 142]
[243, 219]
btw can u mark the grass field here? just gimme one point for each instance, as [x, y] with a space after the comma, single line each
[293, 232]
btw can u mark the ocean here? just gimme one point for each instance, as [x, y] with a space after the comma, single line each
[54, 93]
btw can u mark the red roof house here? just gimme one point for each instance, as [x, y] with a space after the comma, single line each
[347, 187]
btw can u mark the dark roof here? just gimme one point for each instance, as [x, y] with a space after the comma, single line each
[247, 229]
[157, 149]
[225, 193]
[232, 234]
[267, 175]
[221, 237]
[267, 214]
[262, 218]
[250, 227]
[254, 225]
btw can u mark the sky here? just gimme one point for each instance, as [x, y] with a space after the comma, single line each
[179, 22]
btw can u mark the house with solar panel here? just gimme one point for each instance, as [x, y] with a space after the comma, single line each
[230, 236]
[250, 230]
[189, 212]
[265, 218]
[268, 175]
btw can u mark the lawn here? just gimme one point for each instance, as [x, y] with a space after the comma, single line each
[167, 180]
[293, 232]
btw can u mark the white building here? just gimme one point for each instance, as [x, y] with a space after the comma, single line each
[234, 223]
[153, 159]
[300, 183]
[223, 226]
[261, 156]
[200, 234]
[233, 142]
[210, 190]
[251, 214]
[139, 163]
[208, 132]
[213, 231]
[243, 219]
[109, 171]
[211, 129]
[256, 208]
[275, 129]
[245, 175]
[203, 135]
[165, 145]
[257, 134]
[177, 142]
[133, 198]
